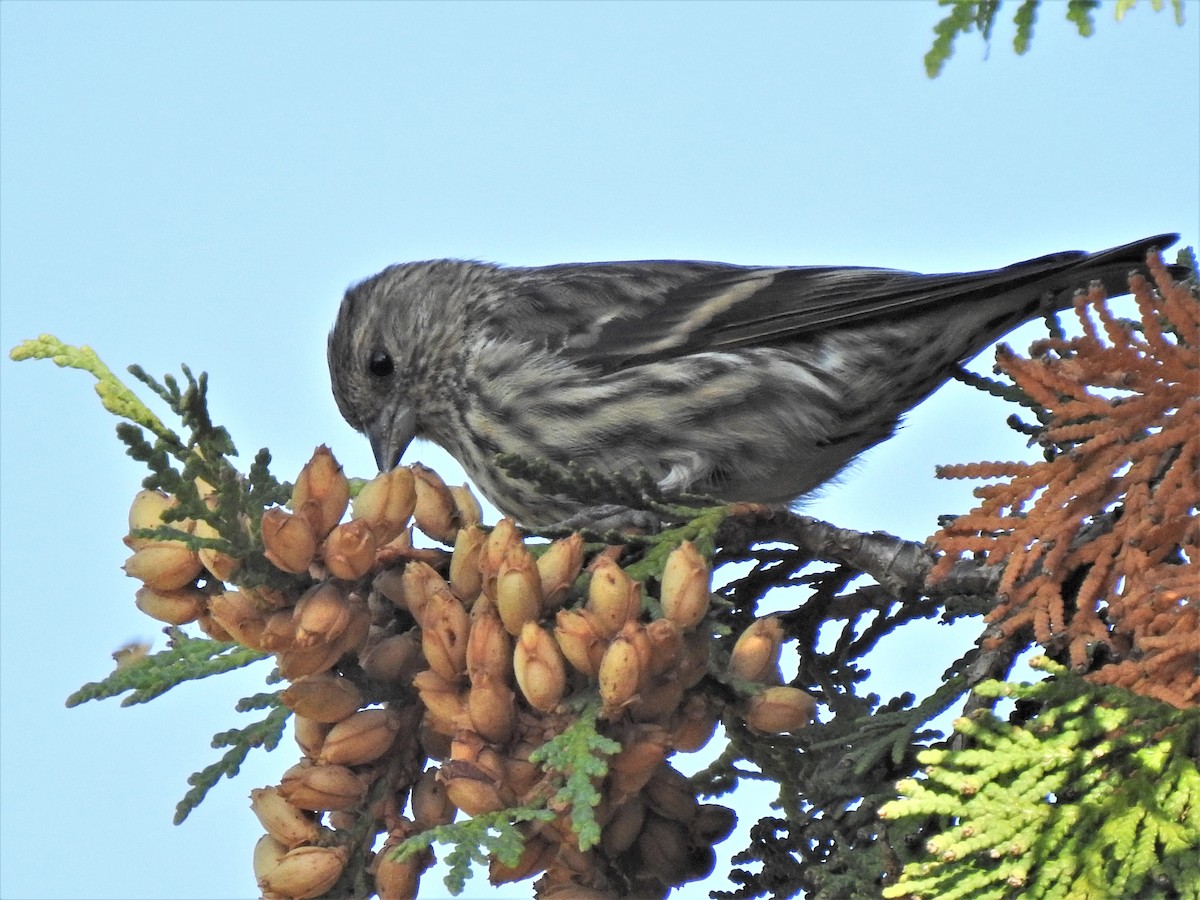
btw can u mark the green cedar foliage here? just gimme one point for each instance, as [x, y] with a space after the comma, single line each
[965, 16]
[1092, 792]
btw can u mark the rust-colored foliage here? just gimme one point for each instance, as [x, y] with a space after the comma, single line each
[1100, 542]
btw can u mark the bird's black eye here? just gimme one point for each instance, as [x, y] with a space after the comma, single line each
[380, 364]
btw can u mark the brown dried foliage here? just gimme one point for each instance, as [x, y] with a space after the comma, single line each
[1100, 542]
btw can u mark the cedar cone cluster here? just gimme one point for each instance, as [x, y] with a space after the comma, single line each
[399, 656]
[1100, 543]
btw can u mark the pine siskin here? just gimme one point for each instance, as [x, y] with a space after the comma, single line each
[746, 383]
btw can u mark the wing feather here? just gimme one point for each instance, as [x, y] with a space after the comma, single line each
[609, 316]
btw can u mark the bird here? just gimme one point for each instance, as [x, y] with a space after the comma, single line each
[743, 383]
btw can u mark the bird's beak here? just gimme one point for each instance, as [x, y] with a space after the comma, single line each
[390, 434]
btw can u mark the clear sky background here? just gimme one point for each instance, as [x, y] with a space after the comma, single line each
[199, 182]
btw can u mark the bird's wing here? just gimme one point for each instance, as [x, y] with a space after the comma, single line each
[609, 316]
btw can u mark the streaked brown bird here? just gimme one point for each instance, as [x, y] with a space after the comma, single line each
[746, 383]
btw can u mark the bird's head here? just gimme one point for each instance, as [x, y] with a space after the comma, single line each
[395, 347]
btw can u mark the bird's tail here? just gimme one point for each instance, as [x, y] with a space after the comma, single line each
[1075, 270]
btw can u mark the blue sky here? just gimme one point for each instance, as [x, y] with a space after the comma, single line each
[198, 182]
